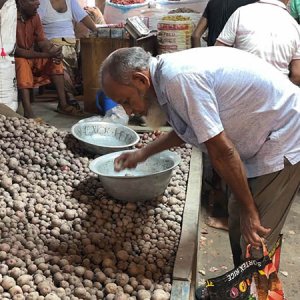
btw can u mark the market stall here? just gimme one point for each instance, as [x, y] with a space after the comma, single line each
[64, 237]
[170, 24]
[93, 52]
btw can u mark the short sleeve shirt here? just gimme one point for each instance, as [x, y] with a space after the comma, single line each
[217, 13]
[205, 91]
[274, 35]
[29, 32]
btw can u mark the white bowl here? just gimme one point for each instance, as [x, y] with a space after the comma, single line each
[147, 181]
[104, 137]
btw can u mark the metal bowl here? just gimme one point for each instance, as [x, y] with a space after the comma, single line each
[147, 181]
[102, 137]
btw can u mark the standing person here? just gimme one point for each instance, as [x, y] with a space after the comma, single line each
[295, 10]
[274, 36]
[214, 18]
[8, 25]
[37, 60]
[58, 17]
[232, 105]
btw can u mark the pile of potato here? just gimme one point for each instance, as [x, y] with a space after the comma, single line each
[62, 237]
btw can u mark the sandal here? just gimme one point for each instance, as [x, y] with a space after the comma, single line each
[70, 111]
[74, 102]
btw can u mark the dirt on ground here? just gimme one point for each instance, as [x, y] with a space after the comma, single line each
[215, 258]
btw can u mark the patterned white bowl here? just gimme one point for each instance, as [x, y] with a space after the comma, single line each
[103, 137]
[147, 181]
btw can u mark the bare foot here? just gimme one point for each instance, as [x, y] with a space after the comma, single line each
[219, 223]
[29, 115]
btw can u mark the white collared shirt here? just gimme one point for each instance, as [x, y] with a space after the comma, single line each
[207, 90]
[266, 29]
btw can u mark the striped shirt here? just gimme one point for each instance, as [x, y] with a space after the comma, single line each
[266, 29]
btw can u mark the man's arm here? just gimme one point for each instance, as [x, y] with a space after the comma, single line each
[198, 32]
[30, 53]
[48, 50]
[226, 161]
[80, 15]
[295, 71]
[218, 43]
[131, 159]
[88, 22]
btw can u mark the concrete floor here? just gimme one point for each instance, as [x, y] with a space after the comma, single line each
[44, 107]
[214, 253]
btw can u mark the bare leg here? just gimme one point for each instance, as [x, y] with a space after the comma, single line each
[58, 81]
[25, 96]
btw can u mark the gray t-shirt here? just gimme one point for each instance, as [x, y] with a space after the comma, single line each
[207, 90]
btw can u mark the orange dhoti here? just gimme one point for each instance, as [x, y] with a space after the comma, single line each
[35, 72]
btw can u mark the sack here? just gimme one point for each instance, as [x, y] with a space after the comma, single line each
[255, 279]
[8, 83]
[174, 33]
[109, 110]
[117, 13]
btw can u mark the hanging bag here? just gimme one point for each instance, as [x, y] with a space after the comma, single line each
[255, 279]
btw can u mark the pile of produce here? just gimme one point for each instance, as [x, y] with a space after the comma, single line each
[127, 2]
[185, 10]
[176, 18]
[63, 237]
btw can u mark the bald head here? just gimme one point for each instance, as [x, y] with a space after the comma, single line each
[122, 63]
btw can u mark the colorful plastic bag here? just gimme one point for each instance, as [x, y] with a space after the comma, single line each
[255, 279]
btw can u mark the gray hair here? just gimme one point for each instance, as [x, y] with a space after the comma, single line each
[123, 62]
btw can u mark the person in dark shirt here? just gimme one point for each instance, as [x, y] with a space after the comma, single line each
[214, 18]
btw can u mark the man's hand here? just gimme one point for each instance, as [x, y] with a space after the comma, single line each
[251, 228]
[95, 14]
[129, 160]
[227, 163]
[55, 51]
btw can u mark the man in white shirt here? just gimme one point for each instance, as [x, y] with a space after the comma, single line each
[8, 25]
[266, 29]
[239, 109]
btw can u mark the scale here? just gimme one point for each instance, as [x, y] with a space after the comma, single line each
[136, 27]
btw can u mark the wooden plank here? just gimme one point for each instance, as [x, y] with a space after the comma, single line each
[93, 53]
[8, 112]
[94, 50]
[143, 129]
[185, 258]
[180, 290]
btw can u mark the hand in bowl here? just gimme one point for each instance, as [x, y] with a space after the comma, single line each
[129, 160]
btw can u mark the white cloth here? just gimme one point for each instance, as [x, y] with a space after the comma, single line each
[8, 26]
[207, 90]
[60, 25]
[266, 29]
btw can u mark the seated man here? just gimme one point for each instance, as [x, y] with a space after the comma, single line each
[37, 60]
[58, 18]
